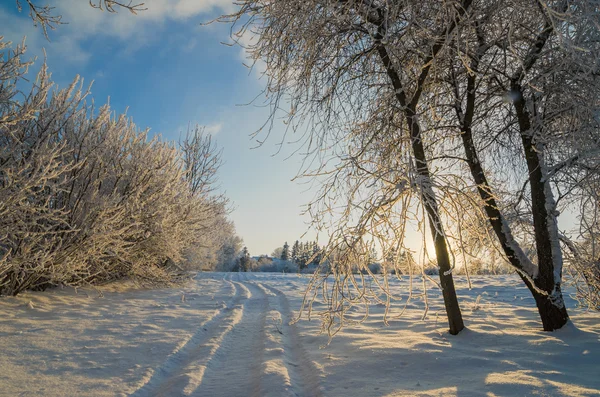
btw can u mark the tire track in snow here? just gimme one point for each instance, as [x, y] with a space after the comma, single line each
[236, 367]
[303, 375]
[187, 364]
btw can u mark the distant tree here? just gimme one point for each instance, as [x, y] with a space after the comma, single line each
[277, 252]
[373, 255]
[264, 262]
[304, 256]
[285, 252]
[406, 264]
[245, 260]
[390, 259]
[316, 256]
[229, 253]
[296, 252]
[252, 265]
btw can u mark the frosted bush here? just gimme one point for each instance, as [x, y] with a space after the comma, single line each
[86, 197]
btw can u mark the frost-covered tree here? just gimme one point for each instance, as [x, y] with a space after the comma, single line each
[316, 253]
[228, 253]
[518, 92]
[354, 74]
[212, 240]
[295, 255]
[304, 255]
[479, 116]
[583, 254]
[87, 197]
[201, 159]
[29, 163]
[276, 253]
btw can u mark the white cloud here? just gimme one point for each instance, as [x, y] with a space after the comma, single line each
[125, 25]
[71, 51]
[187, 8]
[213, 129]
[83, 22]
[209, 129]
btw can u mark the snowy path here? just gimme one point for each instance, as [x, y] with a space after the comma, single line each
[230, 335]
[239, 348]
[301, 378]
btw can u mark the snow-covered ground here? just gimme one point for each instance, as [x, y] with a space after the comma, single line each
[228, 335]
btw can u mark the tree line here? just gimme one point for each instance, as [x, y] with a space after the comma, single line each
[301, 257]
[302, 254]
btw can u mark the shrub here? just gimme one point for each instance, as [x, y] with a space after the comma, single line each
[85, 196]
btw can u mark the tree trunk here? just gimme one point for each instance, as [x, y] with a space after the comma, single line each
[551, 306]
[453, 312]
[455, 320]
[546, 291]
[553, 316]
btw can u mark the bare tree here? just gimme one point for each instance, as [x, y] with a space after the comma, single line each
[471, 112]
[202, 160]
[519, 88]
[346, 70]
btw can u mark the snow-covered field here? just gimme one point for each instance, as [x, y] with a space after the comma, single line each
[228, 335]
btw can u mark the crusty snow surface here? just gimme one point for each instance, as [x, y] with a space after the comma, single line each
[228, 334]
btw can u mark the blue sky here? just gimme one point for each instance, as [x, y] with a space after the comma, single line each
[169, 71]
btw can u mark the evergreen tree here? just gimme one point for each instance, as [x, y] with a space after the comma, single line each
[285, 254]
[316, 257]
[296, 251]
[390, 258]
[245, 260]
[304, 256]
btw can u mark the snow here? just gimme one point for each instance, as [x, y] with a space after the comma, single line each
[228, 334]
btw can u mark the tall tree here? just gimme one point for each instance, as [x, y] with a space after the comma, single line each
[245, 260]
[351, 69]
[483, 111]
[524, 90]
[285, 253]
[296, 251]
[315, 254]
